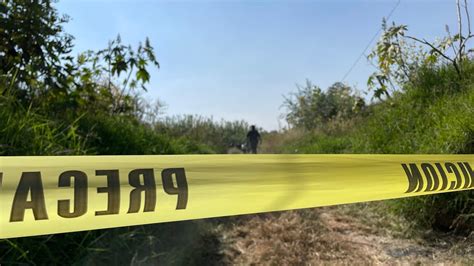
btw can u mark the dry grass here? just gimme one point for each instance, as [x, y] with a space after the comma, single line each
[349, 234]
[273, 141]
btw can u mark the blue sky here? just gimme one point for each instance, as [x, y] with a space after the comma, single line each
[236, 59]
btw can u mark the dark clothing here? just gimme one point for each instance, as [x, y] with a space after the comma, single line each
[253, 138]
[253, 149]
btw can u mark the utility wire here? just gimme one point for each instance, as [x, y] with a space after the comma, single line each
[370, 43]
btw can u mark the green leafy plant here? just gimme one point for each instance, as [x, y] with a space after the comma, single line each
[398, 55]
[311, 108]
[34, 47]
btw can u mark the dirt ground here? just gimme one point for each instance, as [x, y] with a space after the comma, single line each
[351, 234]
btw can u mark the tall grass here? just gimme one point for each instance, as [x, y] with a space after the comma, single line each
[24, 132]
[218, 136]
[434, 114]
[28, 131]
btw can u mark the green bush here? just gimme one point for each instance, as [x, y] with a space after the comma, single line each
[203, 134]
[120, 135]
[403, 125]
[320, 143]
[434, 115]
[311, 108]
[24, 132]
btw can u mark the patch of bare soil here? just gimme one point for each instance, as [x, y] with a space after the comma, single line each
[351, 234]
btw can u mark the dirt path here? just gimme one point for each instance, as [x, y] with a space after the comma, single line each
[343, 235]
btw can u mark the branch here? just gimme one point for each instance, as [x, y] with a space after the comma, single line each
[432, 47]
[466, 10]
[122, 91]
[403, 65]
[458, 6]
[455, 64]
[451, 38]
[470, 35]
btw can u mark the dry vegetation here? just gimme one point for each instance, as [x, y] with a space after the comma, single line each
[349, 234]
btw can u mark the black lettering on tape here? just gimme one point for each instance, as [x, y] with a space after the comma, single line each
[30, 183]
[181, 188]
[451, 168]
[113, 191]
[444, 178]
[471, 173]
[467, 179]
[148, 187]
[80, 194]
[415, 181]
[432, 180]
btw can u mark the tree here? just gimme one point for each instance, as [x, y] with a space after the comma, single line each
[311, 108]
[35, 56]
[109, 78]
[33, 46]
[398, 55]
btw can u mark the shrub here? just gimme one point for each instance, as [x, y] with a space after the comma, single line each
[204, 132]
[312, 108]
[435, 115]
[321, 143]
[24, 132]
[120, 134]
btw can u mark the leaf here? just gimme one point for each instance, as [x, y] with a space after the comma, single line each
[370, 81]
[81, 59]
[431, 59]
[119, 65]
[141, 63]
[143, 75]
[133, 84]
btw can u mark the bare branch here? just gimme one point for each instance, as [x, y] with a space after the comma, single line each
[469, 35]
[454, 62]
[432, 47]
[466, 10]
[458, 54]
[451, 38]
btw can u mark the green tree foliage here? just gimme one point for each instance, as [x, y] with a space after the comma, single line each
[33, 47]
[311, 108]
[35, 52]
[396, 59]
[398, 56]
[111, 79]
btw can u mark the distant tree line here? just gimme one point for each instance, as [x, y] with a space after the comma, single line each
[310, 107]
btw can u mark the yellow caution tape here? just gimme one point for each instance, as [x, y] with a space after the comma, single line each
[46, 195]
